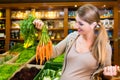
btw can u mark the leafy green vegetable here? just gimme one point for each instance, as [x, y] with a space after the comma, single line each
[59, 73]
[18, 47]
[8, 57]
[26, 54]
[1, 60]
[57, 78]
[58, 59]
[28, 31]
[47, 78]
[5, 58]
[50, 69]
[6, 70]
[49, 74]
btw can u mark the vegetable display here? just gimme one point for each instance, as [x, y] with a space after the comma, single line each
[6, 70]
[49, 74]
[58, 59]
[51, 71]
[17, 48]
[44, 47]
[26, 73]
[5, 58]
[28, 31]
[26, 55]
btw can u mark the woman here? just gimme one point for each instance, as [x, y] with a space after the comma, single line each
[85, 51]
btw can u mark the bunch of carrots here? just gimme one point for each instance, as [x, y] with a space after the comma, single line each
[44, 47]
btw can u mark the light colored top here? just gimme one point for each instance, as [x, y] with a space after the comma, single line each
[77, 66]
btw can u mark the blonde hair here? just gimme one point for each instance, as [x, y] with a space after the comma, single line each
[90, 14]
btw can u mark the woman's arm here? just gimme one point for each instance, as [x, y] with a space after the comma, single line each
[59, 48]
[109, 70]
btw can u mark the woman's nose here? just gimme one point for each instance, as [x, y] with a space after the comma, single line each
[76, 25]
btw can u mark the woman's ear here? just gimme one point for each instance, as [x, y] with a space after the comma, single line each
[93, 25]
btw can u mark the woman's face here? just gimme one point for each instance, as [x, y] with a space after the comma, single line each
[82, 26]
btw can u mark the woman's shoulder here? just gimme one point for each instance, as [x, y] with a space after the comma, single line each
[73, 34]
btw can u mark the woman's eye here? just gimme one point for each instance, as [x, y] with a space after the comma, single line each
[80, 24]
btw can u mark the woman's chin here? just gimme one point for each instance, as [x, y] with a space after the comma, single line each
[79, 33]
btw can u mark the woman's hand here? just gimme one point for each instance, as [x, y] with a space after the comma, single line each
[38, 23]
[111, 70]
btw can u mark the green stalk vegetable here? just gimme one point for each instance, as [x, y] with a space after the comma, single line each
[28, 31]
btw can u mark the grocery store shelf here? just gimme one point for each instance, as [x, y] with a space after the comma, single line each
[2, 18]
[2, 49]
[16, 39]
[2, 29]
[15, 28]
[2, 38]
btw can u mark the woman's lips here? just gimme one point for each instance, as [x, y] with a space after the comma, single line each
[79, 30]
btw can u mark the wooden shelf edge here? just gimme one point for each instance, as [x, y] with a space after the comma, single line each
[16, 39]
[2, 49]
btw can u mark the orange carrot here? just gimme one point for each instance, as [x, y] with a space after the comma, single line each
[37, 53]
[43, 53]
[50, 48]
[41, 57]
[47, 52]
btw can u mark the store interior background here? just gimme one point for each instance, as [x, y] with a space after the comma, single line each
[46, 4]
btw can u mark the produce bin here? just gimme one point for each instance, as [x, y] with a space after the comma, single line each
[26, 72]
[5, 57]
[19, 59]
[13, 59]
[48, 65]
[6, 70]
[4, 53]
